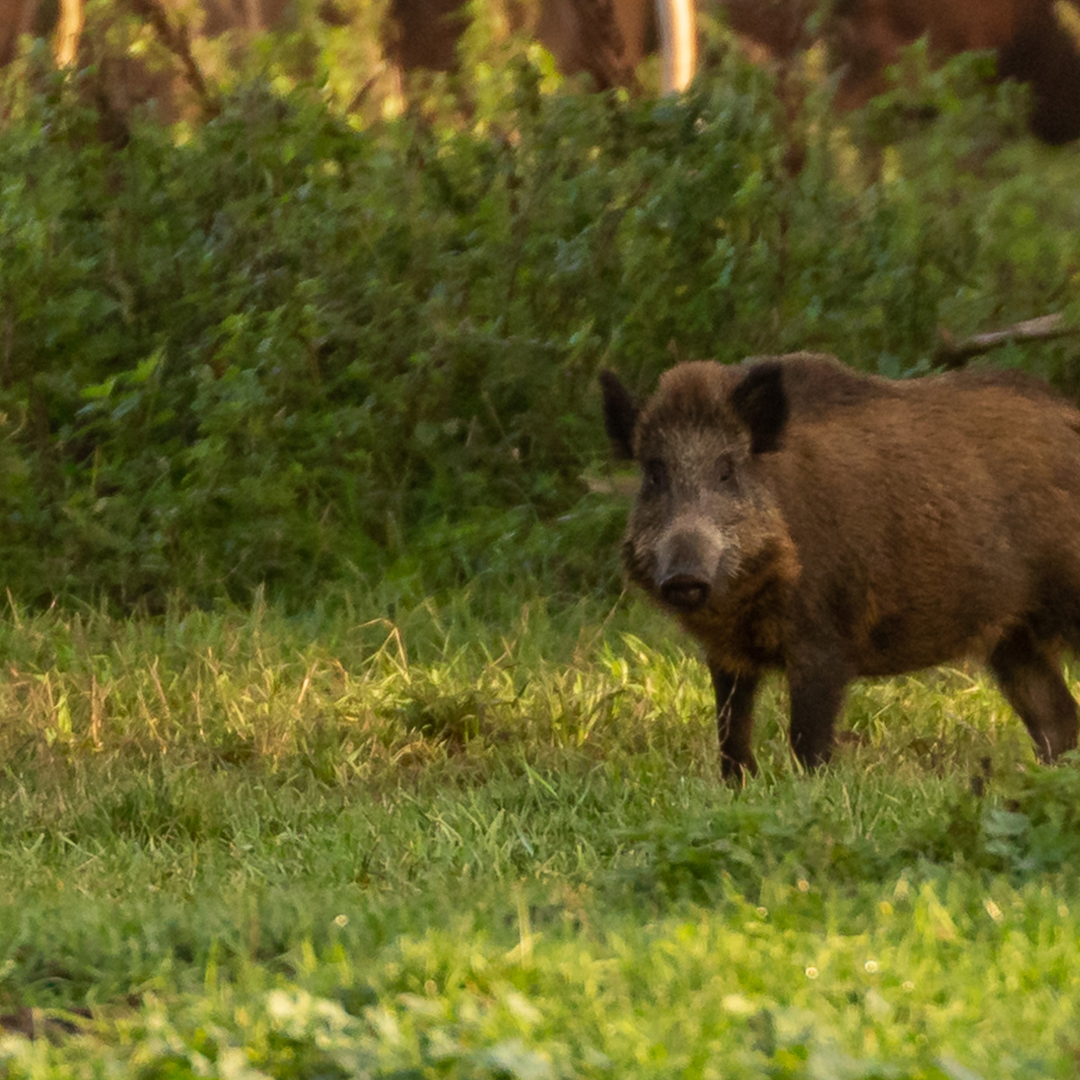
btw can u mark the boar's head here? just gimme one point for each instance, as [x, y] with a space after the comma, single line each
[705, 515]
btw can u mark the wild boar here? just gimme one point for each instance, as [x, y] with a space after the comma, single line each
[795, 515]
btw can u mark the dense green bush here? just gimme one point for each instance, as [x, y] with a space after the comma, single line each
[287, 351]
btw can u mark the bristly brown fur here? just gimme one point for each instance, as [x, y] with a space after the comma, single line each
[887, 527]
[696, 397]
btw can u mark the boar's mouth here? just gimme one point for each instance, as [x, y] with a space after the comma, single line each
[684, 591]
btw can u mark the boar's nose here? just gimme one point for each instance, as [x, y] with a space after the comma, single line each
[685, 570]
[684, 591]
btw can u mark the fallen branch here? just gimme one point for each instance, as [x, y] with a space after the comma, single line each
[952, 353]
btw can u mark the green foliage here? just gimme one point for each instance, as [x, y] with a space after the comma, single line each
[283, 350]
[1027, 825]
[1020, 824]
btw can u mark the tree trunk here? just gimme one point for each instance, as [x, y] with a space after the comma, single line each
[677, 20]
[15, 19]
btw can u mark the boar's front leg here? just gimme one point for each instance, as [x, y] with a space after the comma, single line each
[816, 688]
[735, 722]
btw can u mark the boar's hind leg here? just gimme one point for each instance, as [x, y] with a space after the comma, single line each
[817, 694]
[1030, 677]
[735, 722]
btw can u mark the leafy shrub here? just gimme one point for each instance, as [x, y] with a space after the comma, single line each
[285, 351]
[1028, 824]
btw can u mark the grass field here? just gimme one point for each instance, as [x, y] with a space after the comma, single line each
[489, 840]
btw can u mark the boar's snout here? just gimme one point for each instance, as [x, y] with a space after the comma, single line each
[686, 568]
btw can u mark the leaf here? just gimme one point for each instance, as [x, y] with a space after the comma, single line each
[515, 1058]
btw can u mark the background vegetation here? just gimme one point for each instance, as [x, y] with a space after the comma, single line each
[330, 745]
[300, 347]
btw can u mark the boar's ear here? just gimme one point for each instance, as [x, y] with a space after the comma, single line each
[620, 414]
[761, 403]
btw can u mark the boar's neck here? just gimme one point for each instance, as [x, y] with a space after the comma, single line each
[743, 630]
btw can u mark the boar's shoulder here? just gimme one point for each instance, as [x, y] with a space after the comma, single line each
[1018, 383]
[819, 386]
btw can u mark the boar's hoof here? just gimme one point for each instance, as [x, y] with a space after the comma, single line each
[684, 591]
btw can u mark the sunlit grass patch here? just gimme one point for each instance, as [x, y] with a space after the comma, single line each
[258, 687]
[429, 841]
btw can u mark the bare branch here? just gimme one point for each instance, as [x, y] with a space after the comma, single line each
[954, 353]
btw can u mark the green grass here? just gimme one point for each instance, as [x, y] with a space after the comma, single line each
[489, 840]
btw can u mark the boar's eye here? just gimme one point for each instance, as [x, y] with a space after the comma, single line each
[725, 469]
[654, 476]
